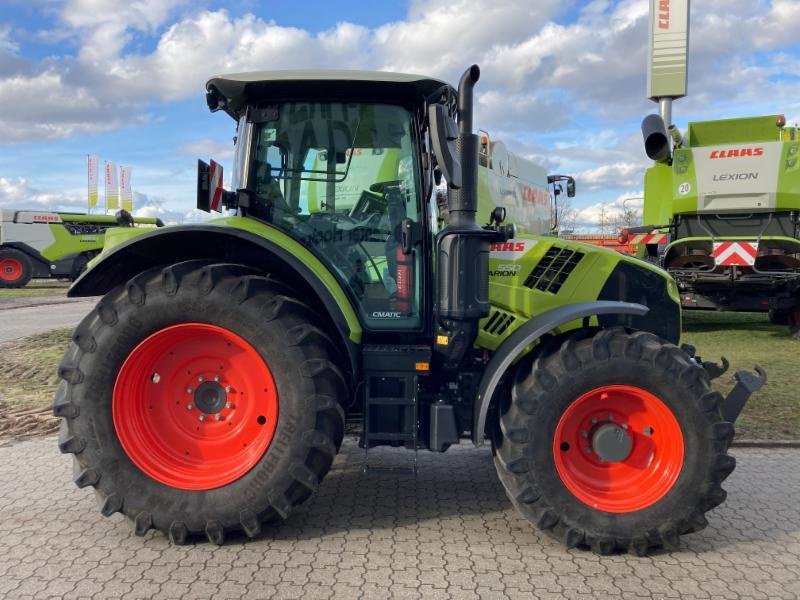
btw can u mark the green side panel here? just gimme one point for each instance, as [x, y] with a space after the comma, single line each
[306, 257]
[65, 244]
[657, 195]
[513, 303]
[733, 131]
[683, 189]
[788, 196]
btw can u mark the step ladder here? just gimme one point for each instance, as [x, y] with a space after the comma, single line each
[391, 416]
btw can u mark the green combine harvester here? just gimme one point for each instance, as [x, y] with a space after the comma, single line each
[38, 244]
[208, 391]
[722, 206]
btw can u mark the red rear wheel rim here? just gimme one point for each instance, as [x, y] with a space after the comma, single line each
[195, 406]
[10, 269]
[645, 475]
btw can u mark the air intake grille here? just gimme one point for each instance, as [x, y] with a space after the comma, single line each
[553, 270]
[498, 322]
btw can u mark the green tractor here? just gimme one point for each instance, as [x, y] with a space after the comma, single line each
[208, 391]
[40, 244]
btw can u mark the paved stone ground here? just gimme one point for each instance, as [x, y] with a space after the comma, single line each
[449, 533]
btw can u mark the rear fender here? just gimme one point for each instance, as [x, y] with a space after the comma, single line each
[513, 347]
[274, 253]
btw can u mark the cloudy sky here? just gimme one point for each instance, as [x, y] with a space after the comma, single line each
[562, 81]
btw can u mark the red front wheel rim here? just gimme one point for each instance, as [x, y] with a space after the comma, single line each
[195, 406]
[10, 269]
[654, 459]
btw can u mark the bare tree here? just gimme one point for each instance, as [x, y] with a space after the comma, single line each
[566, 217]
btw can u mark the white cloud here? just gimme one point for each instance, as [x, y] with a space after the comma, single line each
[615, 175]
[147, 206]
[537, 73]
[206, 149]
[17, 192]
[609, 217]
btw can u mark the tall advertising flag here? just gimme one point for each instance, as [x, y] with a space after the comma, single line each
[112, 187]
[92, 166]
[125, 191]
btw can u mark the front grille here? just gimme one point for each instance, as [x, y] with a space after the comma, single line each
[553, 270]
[77, 228]
[498, 322]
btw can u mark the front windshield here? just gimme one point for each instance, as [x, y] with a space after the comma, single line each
[341, 177]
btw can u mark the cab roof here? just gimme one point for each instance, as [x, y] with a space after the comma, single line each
[233, 92]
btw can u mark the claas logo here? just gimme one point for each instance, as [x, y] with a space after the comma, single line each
[663, 14]
[737, 152]
[508, 247]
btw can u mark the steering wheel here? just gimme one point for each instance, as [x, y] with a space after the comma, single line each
[382, 187]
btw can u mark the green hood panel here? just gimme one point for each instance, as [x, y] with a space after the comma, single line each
[533, 274]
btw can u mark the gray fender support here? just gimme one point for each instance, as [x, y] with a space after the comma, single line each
[528, 333]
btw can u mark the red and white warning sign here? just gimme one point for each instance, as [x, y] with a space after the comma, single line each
[649, 238]
[735, 254]
[215, 186]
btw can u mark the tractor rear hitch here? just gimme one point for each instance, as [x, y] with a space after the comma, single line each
[746, 383]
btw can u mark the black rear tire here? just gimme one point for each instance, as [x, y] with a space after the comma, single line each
[18, 268]
[541, 394]
[283, 330]
[778, 317]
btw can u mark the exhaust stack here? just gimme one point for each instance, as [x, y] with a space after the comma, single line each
[462, 248]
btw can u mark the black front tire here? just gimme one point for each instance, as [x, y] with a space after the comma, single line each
[12, 255]
[284, 331]
[543, 389]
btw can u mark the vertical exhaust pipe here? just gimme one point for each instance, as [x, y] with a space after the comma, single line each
[464, 200]
[463, 246]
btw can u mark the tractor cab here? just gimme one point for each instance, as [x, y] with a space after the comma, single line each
[336, 160]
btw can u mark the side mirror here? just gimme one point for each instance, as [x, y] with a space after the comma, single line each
[656, 138]
[209, 186]
[443, 135]
[498, 215]
[571, 187]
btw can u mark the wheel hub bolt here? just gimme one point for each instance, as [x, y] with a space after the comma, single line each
[228, 405]
[189, 406]
[228, 389]
[155, 378]
[189, 390]
[201, 418]
[216, 378]
[200, 378]
[218, 417]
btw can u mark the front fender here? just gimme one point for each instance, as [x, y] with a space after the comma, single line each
[526, 335]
